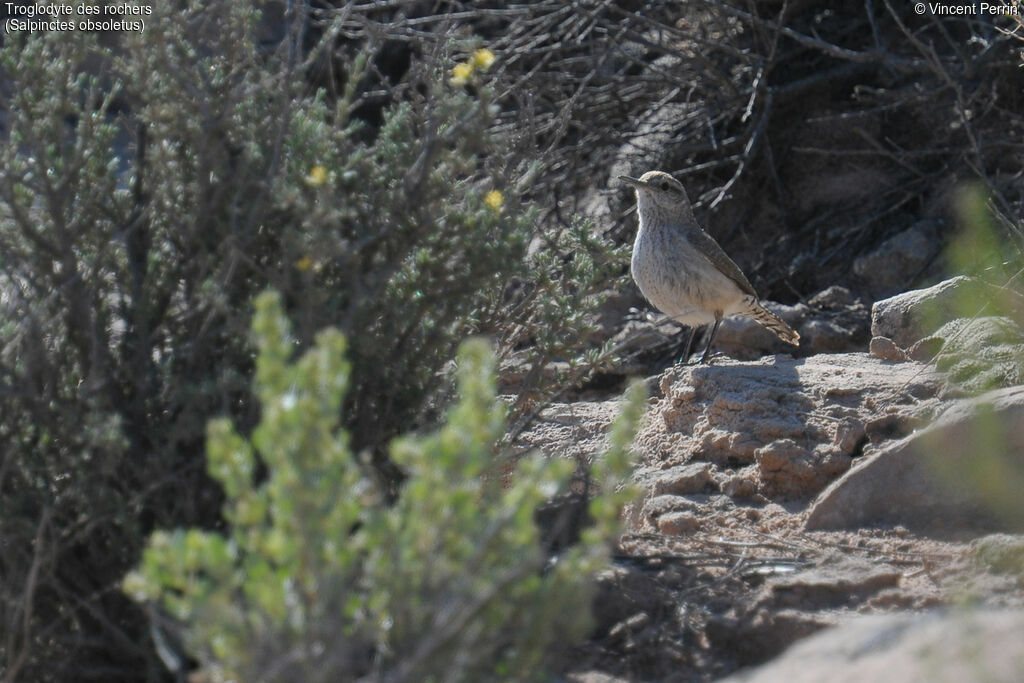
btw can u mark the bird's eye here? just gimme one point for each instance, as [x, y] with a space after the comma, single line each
[665, 186]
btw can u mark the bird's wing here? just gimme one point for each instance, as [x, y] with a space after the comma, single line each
[707, 245]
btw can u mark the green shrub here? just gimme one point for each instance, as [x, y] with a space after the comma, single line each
[318, 581]
[151, 184]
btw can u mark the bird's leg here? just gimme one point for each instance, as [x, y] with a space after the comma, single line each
[711, 338]
[689, 345]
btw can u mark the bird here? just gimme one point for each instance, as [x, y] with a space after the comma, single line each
[683, 271]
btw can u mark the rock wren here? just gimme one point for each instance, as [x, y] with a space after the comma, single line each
[682, 270]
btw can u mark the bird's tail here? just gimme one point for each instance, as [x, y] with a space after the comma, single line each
[773, 323]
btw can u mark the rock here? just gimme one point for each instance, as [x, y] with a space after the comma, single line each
[794, 314]
[741, 487]
[790, 426]
[744, 338]
[979, 354]
[909, 316]
[516, 369]
[1001, 553]
[832, 321]
[658, 506]
[717, 569]
[964, 469]
[850, 435]
[835, 585]
[795, 605]
[765, 635]
[685, 479]
[677, 523]
[641, 342]
[829, 336]
[924, 350]
[577, 430]
[834, 298]
[903, 648]
[896, 261]
[892, 426]
[836, 321]
[594, 677]
[786, 466]
[886, 349]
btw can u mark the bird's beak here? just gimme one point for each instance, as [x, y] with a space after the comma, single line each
[635, 182]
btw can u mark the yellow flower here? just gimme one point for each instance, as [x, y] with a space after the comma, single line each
[494, 199]
[317, 176]
[483, 58]
[461, 73]
[304, 263]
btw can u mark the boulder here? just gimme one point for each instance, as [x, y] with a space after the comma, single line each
[978, 354]
[911, 316]
[965, 469]
[939, 647]
[907, 317]
[789, 425]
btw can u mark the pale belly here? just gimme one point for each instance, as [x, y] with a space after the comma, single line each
[681, 283]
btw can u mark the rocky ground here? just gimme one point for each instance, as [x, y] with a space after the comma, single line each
[785, 495]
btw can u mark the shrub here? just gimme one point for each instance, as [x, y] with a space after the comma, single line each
[318, 581]
[151, 184]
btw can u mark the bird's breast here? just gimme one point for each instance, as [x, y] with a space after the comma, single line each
[677, 279]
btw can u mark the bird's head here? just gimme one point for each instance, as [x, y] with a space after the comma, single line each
[658, 189]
